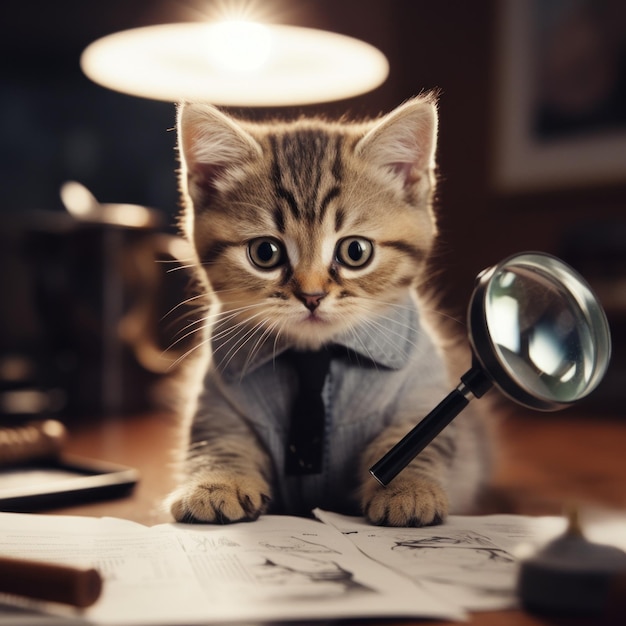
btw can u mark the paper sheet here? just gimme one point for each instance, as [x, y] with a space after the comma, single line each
[284, 568]
[469, 561]
[277, 568]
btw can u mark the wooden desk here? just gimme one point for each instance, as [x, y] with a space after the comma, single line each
[145, 442]
[545, 461]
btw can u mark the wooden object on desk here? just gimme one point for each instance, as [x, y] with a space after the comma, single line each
[50, 582]
[35, 440]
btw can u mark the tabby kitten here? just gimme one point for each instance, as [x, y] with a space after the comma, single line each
[313, 236]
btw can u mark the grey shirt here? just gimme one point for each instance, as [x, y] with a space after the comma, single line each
[393, 373]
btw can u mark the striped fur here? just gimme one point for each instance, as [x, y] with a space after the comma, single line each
[308, 185]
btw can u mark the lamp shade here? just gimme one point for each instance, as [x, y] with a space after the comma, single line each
[235, 64]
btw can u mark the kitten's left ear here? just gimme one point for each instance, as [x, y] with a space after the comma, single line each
[405, 140]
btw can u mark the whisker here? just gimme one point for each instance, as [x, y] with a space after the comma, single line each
[205, 321]
[188, 353]
[186, 335]
[224, 317]
[241, 338]
[365, 348]
[189, 260]
[376, 324]
[224, 328]
[397, 305]
[179, 268]
[202, 324]
[183, 318]
[281, 326]
[258, 345]
[183, 303]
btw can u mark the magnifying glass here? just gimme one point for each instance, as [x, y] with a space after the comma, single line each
[537, 332]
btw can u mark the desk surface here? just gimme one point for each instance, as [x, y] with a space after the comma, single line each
[545, 461]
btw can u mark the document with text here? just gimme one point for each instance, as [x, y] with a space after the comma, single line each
[277, 568]
[281, 568]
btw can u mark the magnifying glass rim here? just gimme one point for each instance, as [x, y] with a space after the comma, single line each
[479, 334]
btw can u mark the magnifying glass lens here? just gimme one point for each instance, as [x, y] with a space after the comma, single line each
[540, 338]
[548, 335]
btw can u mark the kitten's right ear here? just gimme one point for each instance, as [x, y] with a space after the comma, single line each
[210, 143]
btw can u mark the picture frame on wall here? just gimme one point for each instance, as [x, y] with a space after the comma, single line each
[561, 95]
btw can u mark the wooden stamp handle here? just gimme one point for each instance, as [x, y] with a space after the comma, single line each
[33, 441]
[49, 582]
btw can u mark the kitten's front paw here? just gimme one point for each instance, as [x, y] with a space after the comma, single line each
[404, 502]
[220, 498]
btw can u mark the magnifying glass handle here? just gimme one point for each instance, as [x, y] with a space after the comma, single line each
[474, 384]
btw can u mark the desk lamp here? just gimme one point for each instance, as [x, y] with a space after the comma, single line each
[235, 63]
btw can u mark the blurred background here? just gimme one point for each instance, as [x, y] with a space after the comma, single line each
[532, 156]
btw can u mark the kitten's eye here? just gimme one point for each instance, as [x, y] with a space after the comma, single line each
[266, 253]
[354, 251]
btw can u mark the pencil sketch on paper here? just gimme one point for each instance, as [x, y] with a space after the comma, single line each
[286, 563]
[479, 569]
[468, 551]
[273, 565]
[295, 576]
[297, 544]
[203, 543]
[451, 556]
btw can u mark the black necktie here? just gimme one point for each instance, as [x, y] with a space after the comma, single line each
[305, 443]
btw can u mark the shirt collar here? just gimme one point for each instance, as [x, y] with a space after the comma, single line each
[386, 340]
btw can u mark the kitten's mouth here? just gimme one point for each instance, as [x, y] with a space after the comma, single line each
[315, 318]
[311, 330]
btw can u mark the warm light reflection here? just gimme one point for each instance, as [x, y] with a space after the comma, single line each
[83, 205]
[77, 199]
[235, 63]
[238, 45]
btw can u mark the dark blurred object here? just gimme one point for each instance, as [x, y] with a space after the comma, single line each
[597, 249]
[34, 441]
[574, 576]
[64, 481]
[80, 330]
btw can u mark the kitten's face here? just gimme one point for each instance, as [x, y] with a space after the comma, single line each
[308, 229]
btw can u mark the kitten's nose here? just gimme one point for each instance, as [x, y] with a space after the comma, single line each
[311, 300]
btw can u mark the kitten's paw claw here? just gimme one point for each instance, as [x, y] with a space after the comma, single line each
[220, 499]
[405, 502]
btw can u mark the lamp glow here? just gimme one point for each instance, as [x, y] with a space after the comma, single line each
[235, 63]
[238, 46]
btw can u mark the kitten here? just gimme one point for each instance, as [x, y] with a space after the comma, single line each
[314, 235]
